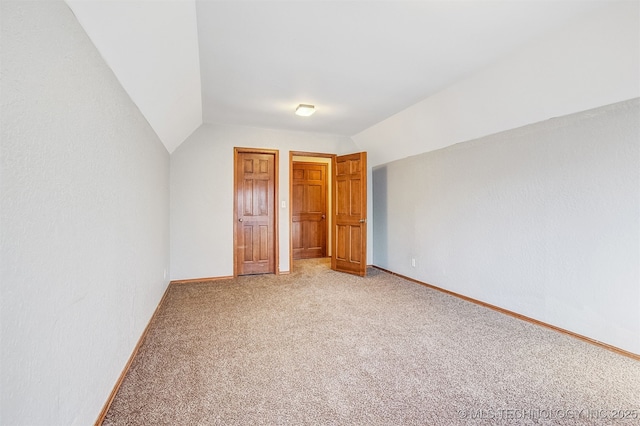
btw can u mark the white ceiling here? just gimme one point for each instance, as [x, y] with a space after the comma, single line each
[152, 48]
[359, 62]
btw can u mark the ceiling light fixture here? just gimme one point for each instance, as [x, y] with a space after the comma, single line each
[305, 110]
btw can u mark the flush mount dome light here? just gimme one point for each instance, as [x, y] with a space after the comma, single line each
[305, 110]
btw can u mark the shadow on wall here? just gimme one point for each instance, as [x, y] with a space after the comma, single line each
[380, 214]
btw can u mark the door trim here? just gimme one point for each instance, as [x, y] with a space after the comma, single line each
[276, 235]
[329, 182]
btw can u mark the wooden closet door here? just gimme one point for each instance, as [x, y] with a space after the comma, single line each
[349, 252]
[255, 239]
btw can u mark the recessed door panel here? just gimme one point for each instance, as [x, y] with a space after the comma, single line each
[247, 232]
[355, 197]
[355, 254]
[263, 237]
[297, 199]
[261, 194]
[342, 197]
[316, 199]
[341, 240]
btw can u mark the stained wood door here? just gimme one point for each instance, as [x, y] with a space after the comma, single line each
[349, 229]
[308, 210]
[255, 221]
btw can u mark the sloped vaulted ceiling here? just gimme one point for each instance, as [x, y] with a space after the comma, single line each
[152, 47]
[251, 62]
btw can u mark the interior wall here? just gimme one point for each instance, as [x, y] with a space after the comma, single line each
[542, 220]
[202, 193]
[84, 190]
[591, 62]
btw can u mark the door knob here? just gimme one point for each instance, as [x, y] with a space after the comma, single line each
[363, 220]
[240, 220]
[323, 216]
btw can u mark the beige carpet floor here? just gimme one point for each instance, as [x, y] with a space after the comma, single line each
[321, 347]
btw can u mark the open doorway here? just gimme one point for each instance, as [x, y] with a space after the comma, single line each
[346, 218]
[310, 196]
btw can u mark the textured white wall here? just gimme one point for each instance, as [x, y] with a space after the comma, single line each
[594, 61]
[202, 193]
[543, 220]
[84, 218]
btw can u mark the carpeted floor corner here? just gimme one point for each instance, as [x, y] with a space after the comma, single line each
[321, 347]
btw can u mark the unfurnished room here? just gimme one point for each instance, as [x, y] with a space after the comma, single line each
[319, 212]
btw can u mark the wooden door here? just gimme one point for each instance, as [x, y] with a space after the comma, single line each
[308, 210]
[349, 233]
[255, 213]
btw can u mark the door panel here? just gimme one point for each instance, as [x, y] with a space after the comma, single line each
[308, 207]
[350, 214]
[255, 176]
[341, 239]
